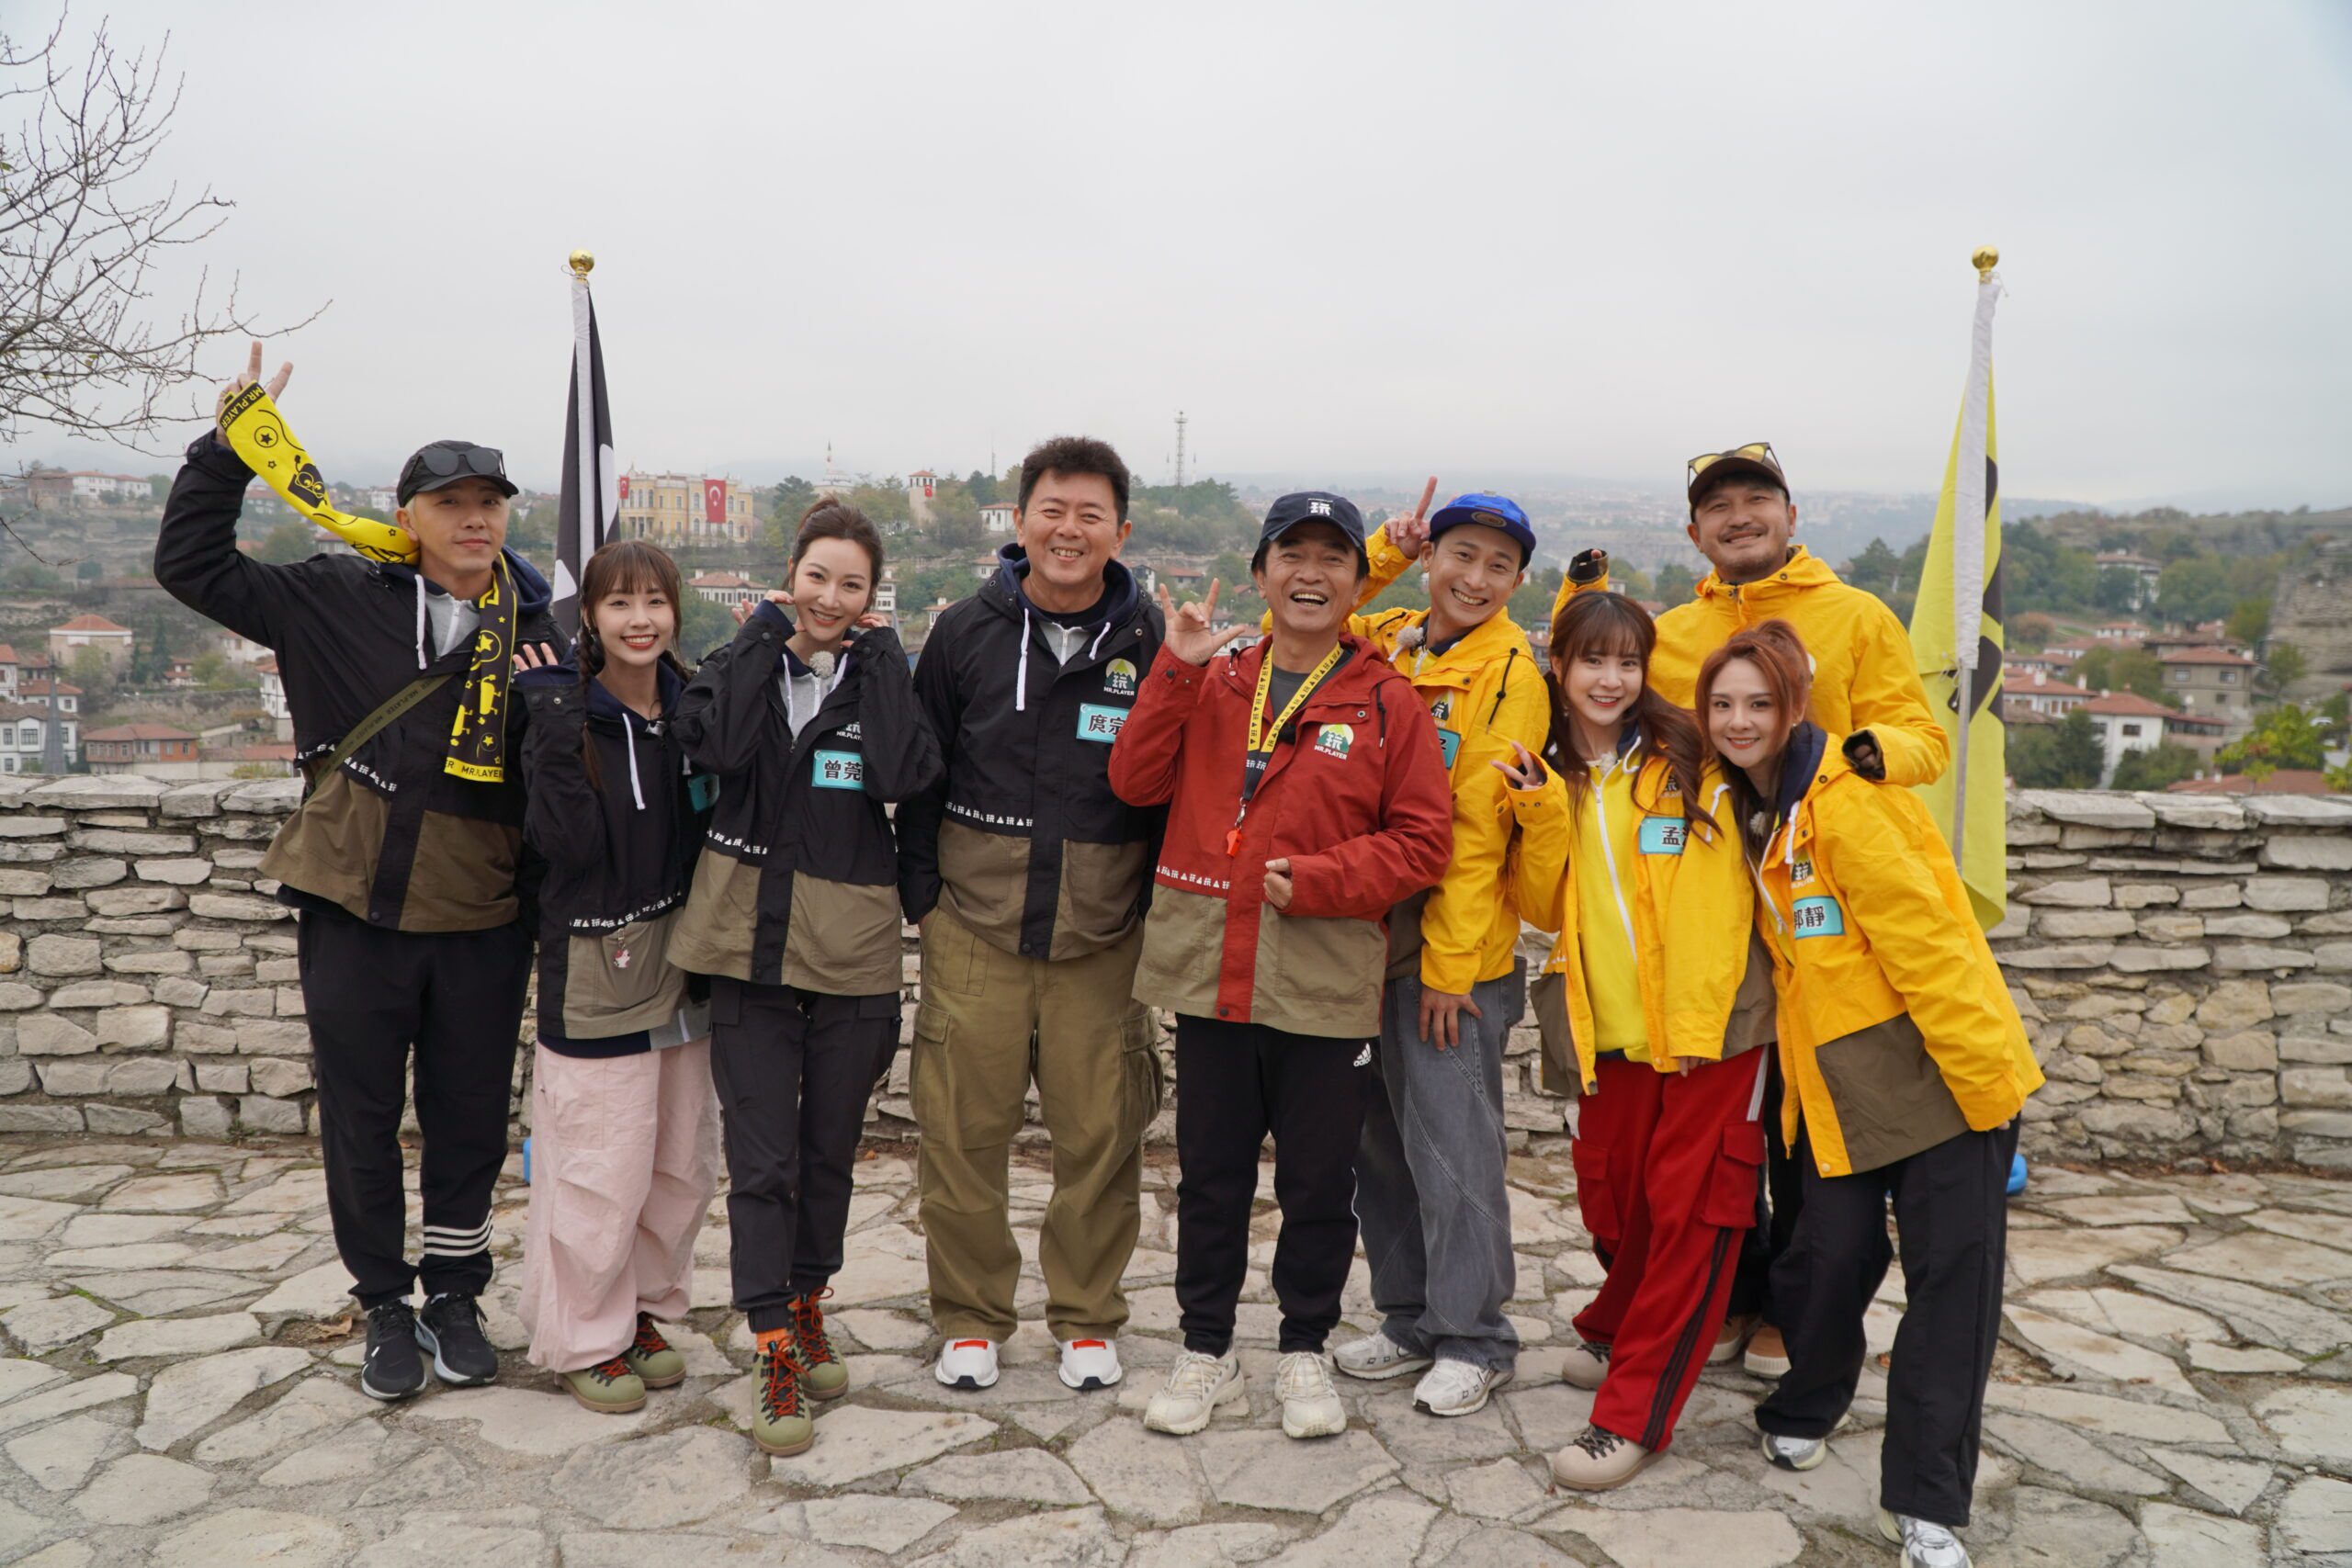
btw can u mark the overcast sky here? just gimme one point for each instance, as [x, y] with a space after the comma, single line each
[1350, 240]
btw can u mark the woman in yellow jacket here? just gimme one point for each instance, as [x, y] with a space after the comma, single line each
[1629, 852]
[1907, 1067]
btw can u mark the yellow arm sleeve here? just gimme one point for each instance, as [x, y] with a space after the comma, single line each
[1876, 861]
[1709, 911]
[1888, 701]
[1539, 873]
[1460, 913]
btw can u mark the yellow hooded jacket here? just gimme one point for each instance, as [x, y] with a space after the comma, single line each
[1864, 675]
[1484, 691]
[1693, 907]
[1896, 1028]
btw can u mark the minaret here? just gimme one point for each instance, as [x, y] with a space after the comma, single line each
[1179, 449]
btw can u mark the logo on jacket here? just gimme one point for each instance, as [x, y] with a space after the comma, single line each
[1800, 872]
[1334, 739]
[1119, 678]
[1363, 1057]
[1443, 709]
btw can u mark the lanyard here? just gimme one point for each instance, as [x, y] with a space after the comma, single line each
[1264, 738]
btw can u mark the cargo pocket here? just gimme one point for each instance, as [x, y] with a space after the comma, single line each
[1597, 1199]
[1139, 1062]
[1547, 996]
[1730, 1199]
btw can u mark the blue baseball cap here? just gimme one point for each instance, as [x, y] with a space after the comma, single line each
[1498, 512]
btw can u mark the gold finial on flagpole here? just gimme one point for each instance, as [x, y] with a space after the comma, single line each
[583, 263]
[1986, 259]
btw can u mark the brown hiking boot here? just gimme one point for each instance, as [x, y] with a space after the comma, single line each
[654, 1360]
[781, 1424]
[823, 1374]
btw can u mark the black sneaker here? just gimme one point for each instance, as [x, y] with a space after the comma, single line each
[450, 1329]
[391, 1370]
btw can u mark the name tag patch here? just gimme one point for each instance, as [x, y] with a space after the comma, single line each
[1449, 741]
[1817, 917]
[837, 770]
[1097, 722]
[701, 791]
[1663, 835]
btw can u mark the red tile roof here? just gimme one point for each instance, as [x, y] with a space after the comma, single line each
[2286, 781]
[138, 732]
[2205, 654]
[2129, 705]
[91, 624]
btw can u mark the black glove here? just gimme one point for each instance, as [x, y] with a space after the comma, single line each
[1587, 567]
[1861, 750]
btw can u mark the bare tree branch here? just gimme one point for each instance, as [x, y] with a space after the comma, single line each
[85, 349]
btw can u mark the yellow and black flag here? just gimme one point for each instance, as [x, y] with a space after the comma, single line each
[1956, 631]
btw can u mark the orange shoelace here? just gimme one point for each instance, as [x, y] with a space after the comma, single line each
[809, 1343]
[649, 1338]
[612, 1370]
[780, 1388]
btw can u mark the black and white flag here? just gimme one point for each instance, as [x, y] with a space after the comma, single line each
[592, 482]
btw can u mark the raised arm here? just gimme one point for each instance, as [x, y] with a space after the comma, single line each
[723, 708]
[901, 753]
[1889, 701]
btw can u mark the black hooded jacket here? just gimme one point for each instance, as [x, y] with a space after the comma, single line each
[390, 837]
[1024, 839]
[620, 851]
[798, 883]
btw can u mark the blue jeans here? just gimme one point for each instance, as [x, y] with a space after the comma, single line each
[1430, 1180]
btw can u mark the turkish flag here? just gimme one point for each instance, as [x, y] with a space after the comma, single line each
[714, 501]
[624, 486]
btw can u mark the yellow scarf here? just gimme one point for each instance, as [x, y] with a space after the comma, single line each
[258, 433]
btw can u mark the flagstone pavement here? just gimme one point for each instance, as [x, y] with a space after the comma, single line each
[2174, 1389]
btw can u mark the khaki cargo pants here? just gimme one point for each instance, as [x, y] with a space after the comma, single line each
[989, 1020]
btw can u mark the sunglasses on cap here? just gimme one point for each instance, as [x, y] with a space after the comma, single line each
[482, 462]
[1754, 452]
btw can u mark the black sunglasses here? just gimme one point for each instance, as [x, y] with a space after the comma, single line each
[483, 462]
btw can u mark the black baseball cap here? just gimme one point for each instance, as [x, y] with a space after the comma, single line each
[1314, 506]
[443, 463]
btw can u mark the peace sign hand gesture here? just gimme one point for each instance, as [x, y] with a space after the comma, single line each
[1525, 770]
[275, 388]
[1409, 531]
[1193, 633]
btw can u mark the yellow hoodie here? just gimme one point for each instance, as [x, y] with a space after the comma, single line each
[1484, 691]
[1865, 676]
[1896, 1028]
[1692, 905]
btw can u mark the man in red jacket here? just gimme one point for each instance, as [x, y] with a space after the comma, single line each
[1306, 795]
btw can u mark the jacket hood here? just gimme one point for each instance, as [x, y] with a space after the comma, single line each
[1354, 680]
[1799, 765]
[1007, 594]
[1801, 571]
[533, 593]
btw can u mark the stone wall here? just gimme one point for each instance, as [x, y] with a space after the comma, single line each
[2184, 964]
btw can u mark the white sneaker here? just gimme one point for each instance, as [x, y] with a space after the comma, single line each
[1091, 1363]
[1924, 1545]
[1196, 1385]
[1376, 1356]
[1456, 1388]
[967, 1363]
[1795, 1453]
[1311, 1406]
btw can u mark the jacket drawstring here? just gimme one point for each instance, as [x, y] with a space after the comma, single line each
[1021, 681]
[628, 734]
[420, 621]
[1097, 645]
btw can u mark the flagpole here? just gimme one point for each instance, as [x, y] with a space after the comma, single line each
[1967, 535]
[591, 519]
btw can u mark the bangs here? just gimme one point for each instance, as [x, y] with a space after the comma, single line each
[1606, 626]
[630, 566]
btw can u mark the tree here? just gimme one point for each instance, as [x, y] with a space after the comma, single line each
[2065, 755]
[210, 669]
[1673, 583]
[2134, 670]
[2285, 735]
[2031, 634]
[2192, 589]
[2117, 590]
[1877, 569]
[91, 671]
[983, 486]
[2282, 665]
[2249, 621]
[792, 496]
[86, 223]
[702, 626]
[2167, 763]
[34, 577]
[291, 540]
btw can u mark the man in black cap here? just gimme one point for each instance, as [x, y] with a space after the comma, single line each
[402, 861]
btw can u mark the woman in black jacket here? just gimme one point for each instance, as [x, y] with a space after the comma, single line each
[795, 916]
[621, 1109]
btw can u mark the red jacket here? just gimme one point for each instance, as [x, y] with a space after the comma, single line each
[1358, 803]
